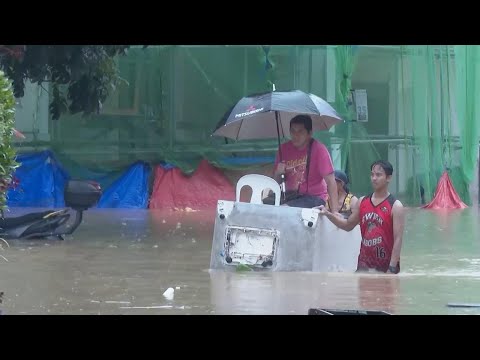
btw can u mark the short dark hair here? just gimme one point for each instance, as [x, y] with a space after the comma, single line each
[302, 119]
[385, 165]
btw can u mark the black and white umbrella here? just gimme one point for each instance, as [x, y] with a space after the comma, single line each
[268, 115]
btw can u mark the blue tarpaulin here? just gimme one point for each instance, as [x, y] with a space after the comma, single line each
[42, 181]
[130, 190]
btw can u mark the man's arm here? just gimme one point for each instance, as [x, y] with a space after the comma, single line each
[339, 221]
[323, 166]
[332, 192]
[398, 215]
[278, 167]
[279, 170]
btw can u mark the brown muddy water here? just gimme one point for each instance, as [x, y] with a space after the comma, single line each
[122, 261]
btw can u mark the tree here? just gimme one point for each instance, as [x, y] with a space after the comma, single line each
[81, 76]
[7, 152]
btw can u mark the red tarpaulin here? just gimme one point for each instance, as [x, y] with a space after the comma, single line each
[174, 190]
[445, 196]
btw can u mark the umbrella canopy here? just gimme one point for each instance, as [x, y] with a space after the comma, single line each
[268, 115]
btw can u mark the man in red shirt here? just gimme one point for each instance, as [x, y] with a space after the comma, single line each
[381, 218]
[307, 167]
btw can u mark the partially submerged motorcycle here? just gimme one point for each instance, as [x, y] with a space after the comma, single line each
[79, 196]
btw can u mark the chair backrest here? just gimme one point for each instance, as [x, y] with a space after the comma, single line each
[258, 183]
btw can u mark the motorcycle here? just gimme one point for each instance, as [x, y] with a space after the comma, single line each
[79, 196]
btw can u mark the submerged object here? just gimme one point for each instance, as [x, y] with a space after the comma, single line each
[79, 196]
[280, 238]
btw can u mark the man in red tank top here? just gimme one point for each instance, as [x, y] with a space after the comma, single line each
[381, 218]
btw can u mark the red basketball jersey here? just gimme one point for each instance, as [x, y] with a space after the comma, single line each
[376, 226]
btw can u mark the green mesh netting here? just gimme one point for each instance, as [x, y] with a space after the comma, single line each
[440, 115]
[357, 151]
[422, 107]
[467, 90]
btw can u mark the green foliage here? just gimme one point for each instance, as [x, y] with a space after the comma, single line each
[7, 152]
[81, 76]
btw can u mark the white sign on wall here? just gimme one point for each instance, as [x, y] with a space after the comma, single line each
[360, 103]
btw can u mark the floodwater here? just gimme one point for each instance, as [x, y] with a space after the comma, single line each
[122, 261]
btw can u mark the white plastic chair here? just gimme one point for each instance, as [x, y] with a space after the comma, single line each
[258, 183]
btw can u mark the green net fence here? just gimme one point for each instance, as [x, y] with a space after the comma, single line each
[422, 111]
